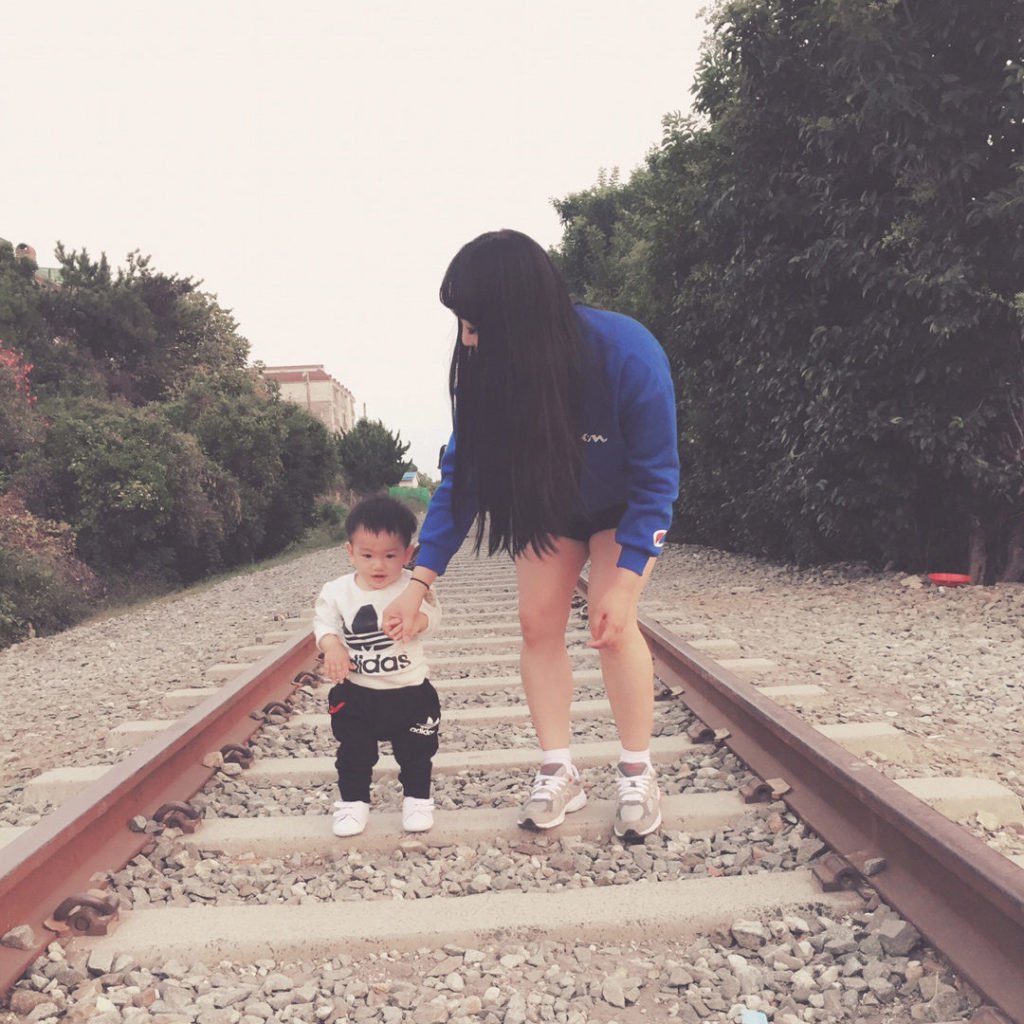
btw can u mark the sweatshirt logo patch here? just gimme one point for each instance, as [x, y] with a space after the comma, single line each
[594, 438]
[365, 633]
[659, 538]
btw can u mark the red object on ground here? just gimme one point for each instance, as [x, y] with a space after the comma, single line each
[948, 579]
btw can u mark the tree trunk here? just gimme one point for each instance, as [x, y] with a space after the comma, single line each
[1014, 571]
[977, 558]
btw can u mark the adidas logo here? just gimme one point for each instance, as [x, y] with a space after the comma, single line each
[427, 728]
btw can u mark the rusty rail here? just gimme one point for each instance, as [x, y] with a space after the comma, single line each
[53, 862]
[963, 896]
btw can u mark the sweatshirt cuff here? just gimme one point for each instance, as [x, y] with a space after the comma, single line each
[432, 558]
[633, 559]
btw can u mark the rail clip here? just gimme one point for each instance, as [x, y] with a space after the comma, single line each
[835, 874]
[89, 913]
[279, 707]
[762, 791]
[236, 753]
[179, 815]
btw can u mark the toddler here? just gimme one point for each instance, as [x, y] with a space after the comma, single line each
[381, 690]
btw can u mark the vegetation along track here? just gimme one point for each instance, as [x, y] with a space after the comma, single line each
[789, 877]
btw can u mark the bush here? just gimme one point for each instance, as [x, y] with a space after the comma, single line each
[330, 513]
[43, 587]
[35, 597]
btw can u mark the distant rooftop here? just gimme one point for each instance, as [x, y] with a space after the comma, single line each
[299, 374]
[49, 276]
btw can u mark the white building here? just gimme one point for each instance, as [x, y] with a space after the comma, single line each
[318, 393]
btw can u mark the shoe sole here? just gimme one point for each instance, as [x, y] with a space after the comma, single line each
[574, 804]
[418, 828]
[348, 835]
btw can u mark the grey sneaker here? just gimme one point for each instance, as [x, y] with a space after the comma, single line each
[556, 790]
[639, 812]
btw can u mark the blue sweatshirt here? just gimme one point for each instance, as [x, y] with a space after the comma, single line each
[630, 454]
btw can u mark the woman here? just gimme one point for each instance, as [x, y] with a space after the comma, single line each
[563, 448]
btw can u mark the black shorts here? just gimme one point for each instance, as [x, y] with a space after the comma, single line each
[582, 527]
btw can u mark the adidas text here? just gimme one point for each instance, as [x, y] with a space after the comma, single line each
[372, 666]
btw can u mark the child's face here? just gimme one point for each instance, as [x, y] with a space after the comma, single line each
[377, 558]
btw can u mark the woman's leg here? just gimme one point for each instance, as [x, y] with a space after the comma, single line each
[626, 663]
[546, 585]
[613, 596]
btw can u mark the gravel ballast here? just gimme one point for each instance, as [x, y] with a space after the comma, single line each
[942, 665]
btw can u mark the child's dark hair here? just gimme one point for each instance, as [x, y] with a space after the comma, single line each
[382, 515]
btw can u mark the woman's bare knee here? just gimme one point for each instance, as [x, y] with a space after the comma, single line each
[542, 626]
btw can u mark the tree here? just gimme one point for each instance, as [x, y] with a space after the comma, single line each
[836, 247]
[310, 464]
[279, 456]
[140, 495]
[141, 332]
[372, 457]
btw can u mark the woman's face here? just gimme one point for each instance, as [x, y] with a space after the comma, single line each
[467, 334]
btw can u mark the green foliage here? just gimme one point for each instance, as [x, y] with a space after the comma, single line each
[330, 513]
[140, 495]
[372, 457]
[309, 464]
[43, 587]
[279, 458]
[167, 458]
[35, 599]
[832, 255]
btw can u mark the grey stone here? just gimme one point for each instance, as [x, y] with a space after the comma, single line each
[278, 982]
[23, 1001]
[898, 938]
[612, 991]
[515, 1011]
[20, 937]
[882, 989]
[749, 934]
[946, 1003]
[100, 962]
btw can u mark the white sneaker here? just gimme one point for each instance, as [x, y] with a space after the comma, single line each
[417, 814]
[350, 817]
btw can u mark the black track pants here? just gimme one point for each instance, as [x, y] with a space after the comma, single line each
[360, 718]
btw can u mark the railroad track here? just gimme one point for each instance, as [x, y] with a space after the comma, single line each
[774, 835]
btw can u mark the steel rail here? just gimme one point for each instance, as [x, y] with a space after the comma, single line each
[89, 834]
[964, 897]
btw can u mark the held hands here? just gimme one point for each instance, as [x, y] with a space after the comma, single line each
[402, 620]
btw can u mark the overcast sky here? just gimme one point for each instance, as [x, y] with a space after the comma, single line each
[317, 163]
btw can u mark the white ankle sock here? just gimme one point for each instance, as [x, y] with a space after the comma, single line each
[558, 756]
[635, 756]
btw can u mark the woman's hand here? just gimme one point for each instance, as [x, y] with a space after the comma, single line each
[615, 610]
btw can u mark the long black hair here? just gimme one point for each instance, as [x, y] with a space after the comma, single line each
[516, 395]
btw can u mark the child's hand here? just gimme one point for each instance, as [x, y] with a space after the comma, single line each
[336, 660]
[393, 626]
